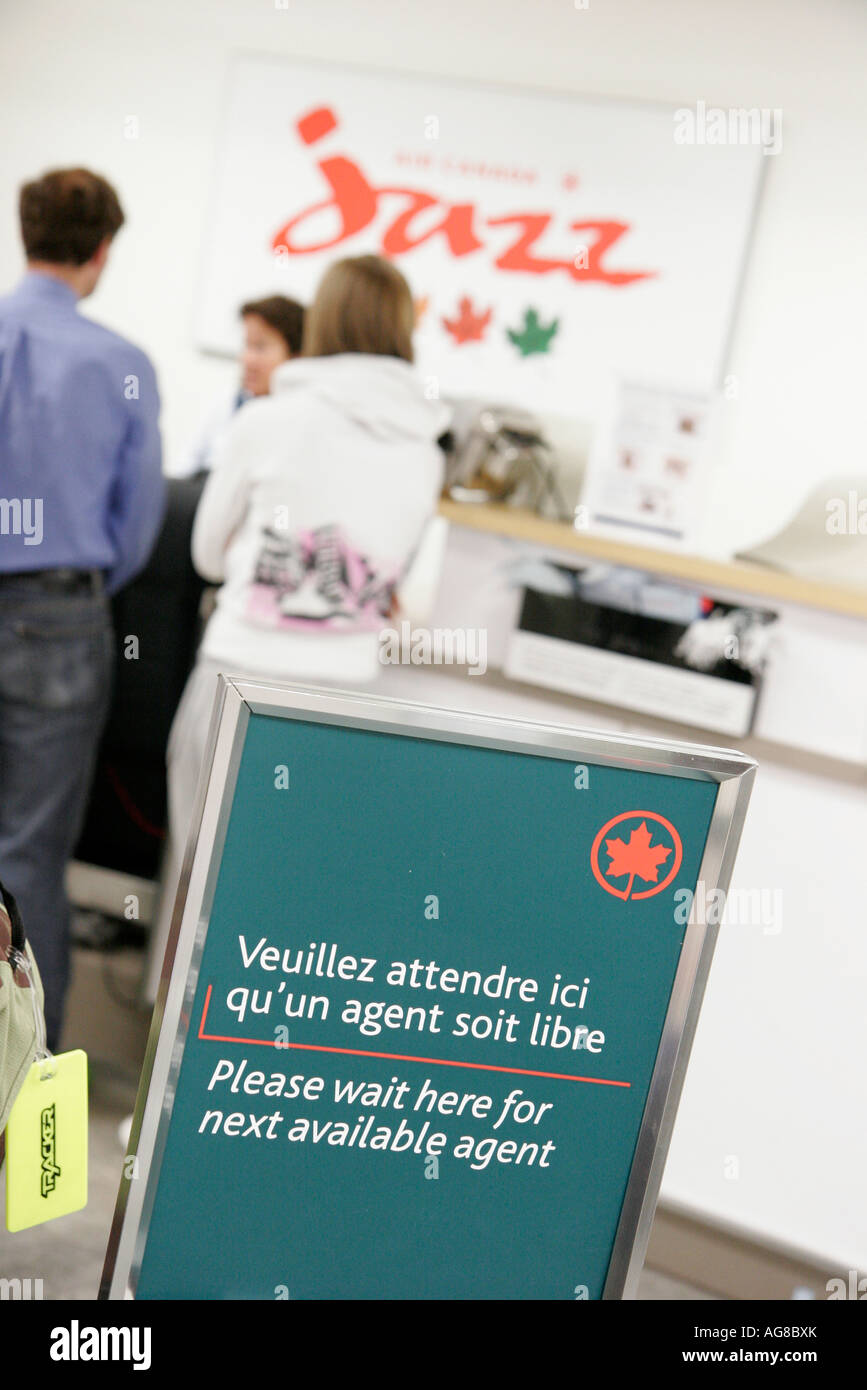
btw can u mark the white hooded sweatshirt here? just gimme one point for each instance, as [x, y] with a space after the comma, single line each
[312, 513]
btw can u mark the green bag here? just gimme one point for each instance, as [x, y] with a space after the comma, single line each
[22, 1021]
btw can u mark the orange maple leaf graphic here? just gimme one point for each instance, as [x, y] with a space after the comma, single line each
[469, 326]
[639, 857]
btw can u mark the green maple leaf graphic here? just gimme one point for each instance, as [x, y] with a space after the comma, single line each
[533, 336]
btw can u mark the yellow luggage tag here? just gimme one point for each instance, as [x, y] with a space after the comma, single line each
[46, 1139]
[46, 1142]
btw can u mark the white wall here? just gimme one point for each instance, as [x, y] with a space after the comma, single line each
[71, 74]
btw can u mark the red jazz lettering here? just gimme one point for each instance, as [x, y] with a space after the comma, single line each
[357, 203]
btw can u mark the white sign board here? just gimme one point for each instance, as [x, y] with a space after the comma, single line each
[549, 241]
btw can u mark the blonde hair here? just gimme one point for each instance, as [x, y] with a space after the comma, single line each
[362, 304]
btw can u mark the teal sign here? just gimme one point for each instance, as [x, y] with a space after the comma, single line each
[421, 1026]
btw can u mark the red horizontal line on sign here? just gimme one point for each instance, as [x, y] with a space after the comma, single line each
[399, 1056]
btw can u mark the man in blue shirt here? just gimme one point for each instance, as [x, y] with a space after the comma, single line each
[81, 501]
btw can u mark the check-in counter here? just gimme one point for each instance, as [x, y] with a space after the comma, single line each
[813, 697]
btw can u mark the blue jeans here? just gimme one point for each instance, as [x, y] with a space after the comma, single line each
[56, 663]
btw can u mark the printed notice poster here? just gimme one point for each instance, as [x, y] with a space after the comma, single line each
[423, 1025]
[648, 469]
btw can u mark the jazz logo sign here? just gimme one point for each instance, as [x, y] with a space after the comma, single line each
[460, 227]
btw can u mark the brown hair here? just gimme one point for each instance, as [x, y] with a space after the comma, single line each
[362, 304]
[66, 216]
[285, 316]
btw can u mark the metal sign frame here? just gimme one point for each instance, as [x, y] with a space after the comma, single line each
[236, 700]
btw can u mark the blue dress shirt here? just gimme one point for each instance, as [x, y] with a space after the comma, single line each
[81, 482]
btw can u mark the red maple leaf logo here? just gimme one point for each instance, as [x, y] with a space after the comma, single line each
[638, 856]
[468, 326]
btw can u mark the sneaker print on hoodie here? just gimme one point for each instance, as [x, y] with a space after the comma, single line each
[316, 579]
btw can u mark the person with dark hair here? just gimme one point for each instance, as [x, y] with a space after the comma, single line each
[82, 500]
[69, 217]
[273, 329]
[273, 332]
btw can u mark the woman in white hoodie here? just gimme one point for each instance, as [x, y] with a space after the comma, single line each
[311, 514]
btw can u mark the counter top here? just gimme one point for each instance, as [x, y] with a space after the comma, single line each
[755, 580]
